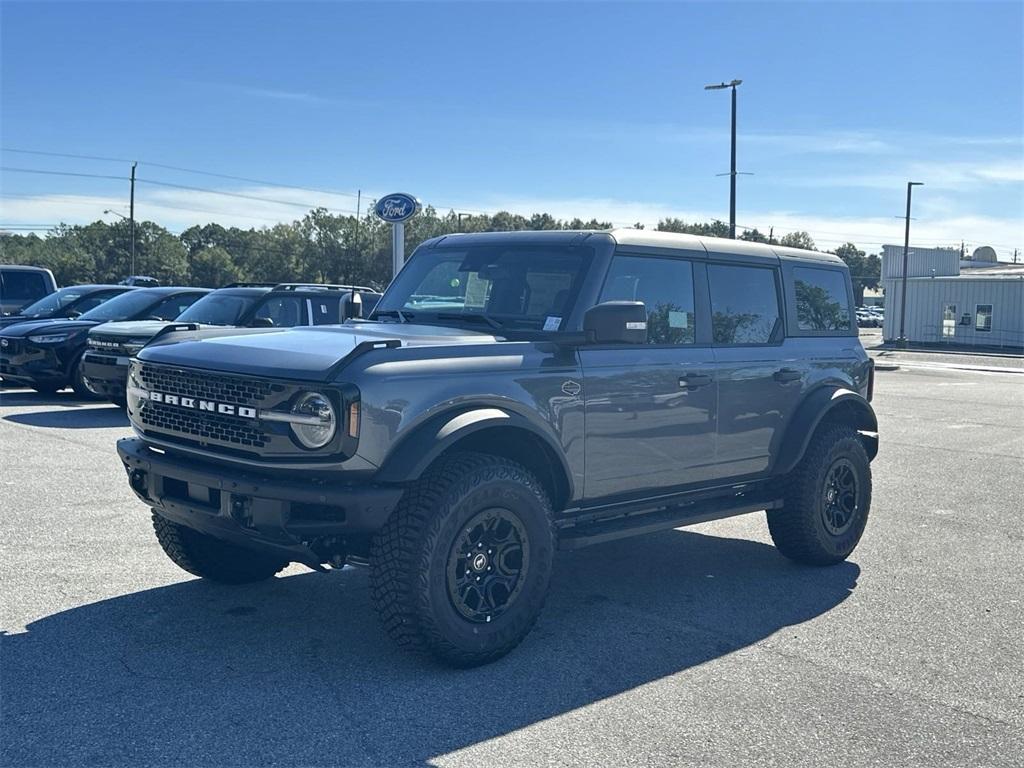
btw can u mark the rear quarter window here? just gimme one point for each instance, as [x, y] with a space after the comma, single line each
[821, 301]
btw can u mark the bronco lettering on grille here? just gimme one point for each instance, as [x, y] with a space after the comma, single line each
[225, 409]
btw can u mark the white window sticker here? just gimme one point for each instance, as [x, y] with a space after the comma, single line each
[676, 319]
[551, 323]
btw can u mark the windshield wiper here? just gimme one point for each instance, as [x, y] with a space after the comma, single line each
[403, 317]
[470, 316]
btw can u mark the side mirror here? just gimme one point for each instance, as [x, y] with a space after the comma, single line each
[352, 306]
[616, 322]
[262, 322]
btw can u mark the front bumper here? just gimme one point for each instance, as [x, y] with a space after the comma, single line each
[106, 375]
[276, 515]
[31, 365]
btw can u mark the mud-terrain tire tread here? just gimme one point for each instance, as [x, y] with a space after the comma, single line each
[211, 558]
[401, 550]
[794, 528]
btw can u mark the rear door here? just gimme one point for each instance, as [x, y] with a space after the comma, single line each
[650, 409]
[759, 386]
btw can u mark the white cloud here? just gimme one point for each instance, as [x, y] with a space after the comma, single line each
[939, 221]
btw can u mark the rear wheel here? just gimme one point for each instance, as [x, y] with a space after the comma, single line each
[826, 501]
[461, 568]
[211, 558]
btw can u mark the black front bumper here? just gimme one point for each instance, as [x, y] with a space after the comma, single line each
[277, 515]
[30, 366]
[107, 375]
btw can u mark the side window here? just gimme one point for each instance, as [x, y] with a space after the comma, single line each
[23, 286]
[94, 300]
[169, 309]
[983, 317]
[744, 304]
[821, 300]
[284, 311]
[327, 309]
[665, 286]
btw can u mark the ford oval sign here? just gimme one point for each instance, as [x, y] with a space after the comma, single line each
[397, 208]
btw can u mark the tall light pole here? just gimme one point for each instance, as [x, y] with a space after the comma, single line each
[732, 167]
[906, 254]
[131, 217]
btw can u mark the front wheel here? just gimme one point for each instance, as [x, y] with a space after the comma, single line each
[827, 500]
[79, 384]
[461, 568]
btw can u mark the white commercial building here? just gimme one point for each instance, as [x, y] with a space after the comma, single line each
[974, 301]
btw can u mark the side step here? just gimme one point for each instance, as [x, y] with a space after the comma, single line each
[636, 524]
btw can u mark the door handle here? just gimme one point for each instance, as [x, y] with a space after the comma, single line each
[694, 380]
[787, 374]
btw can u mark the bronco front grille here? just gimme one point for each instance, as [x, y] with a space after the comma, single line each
[208, 386]
[206, 426]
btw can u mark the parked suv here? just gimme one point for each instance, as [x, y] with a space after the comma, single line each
[513, 394]
[47, 354]
[21, 286]
[255, 305]
[65, 303]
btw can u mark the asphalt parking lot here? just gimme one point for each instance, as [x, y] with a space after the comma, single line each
[694, 647]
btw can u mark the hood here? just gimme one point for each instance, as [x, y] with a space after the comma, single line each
[31, 327]
[308, 353]
[129, 329]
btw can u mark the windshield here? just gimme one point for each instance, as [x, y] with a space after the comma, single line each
[514, 287]
[123, 307]
[218, 309]
[53, 302]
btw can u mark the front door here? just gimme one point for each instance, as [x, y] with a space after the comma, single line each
[650, 409]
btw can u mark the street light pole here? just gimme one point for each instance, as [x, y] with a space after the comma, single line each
[131, 217]
[902, 340]
[732, 165]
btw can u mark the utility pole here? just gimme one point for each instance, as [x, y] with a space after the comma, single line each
[902, 340]
[732, 165]
[131, 218]
[467, 215]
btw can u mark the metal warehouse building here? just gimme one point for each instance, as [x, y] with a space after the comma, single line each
[951, 300]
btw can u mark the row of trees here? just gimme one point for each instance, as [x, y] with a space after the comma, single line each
[319, 247]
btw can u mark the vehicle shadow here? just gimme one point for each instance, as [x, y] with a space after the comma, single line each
[296, 671]
[84, 418]
[21, 397]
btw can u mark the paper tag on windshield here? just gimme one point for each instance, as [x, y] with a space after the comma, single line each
[551, 323]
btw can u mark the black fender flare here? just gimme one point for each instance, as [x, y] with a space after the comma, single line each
[418, 450]
[814, 409]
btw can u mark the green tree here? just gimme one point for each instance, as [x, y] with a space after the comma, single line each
[798, 239]
[865, 271]
[213, 267]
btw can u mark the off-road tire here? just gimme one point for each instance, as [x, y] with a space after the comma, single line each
[410, 558]
[211, 558]
[799, 529]
[78, 384]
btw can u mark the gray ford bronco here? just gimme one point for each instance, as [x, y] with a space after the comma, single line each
[513, 394]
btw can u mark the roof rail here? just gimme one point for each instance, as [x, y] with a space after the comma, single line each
[249, 285]
[321, 287]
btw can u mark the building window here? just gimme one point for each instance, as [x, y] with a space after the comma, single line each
[983, 317]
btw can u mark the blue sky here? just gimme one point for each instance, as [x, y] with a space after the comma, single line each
[576, 109]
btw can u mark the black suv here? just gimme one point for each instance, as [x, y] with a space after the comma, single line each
[65, 303]
[241, 305]
[512, 394]
[46, 355]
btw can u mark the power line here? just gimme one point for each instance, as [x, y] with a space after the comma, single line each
[10, 169]
[307, 206]
[181, 169]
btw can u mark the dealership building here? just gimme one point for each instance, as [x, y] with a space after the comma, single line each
[954, 299]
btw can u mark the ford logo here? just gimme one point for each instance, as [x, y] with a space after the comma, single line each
[397, 207]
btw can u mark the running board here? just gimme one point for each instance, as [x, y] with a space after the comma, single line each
[600, 531]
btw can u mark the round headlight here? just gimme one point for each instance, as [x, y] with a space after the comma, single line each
[316, 424]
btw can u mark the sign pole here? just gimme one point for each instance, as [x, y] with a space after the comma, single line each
[397, 247]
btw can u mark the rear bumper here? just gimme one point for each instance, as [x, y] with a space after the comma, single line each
[107, 375]
[277, 515]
